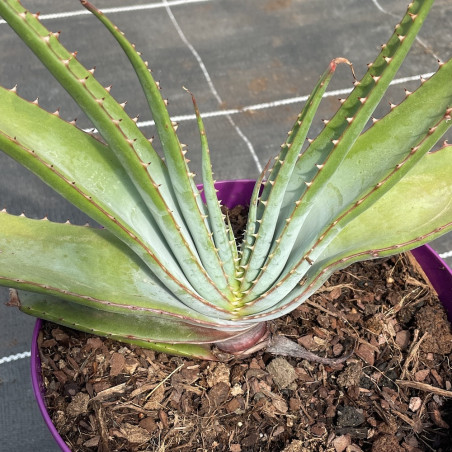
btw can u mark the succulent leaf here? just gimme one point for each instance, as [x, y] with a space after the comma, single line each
[92, 267]
[130, 146]
[130, 328]
[184, 188]
[333, 143]
[352, 116]
[273, 193]
[376, 162]
[93, 181]
[328, 150]
[227, 249]
[416, 210]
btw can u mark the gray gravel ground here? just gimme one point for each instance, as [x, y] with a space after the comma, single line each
[261, 58]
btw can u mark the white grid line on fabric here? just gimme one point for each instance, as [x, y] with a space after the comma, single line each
[271, 104]
[115, 10]
[17, 356]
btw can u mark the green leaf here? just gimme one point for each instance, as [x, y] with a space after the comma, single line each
[132, 149]
[351, 118]
[412, 212]
[181, 178]
[84, 171]
[377, 160]
[416, 210]
[133, 328]
[227, 249]
[92, 267]
[275, 187]
[321, 159]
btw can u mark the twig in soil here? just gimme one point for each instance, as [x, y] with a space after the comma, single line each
[130, 406]
[101, 425]
[424, 387]
[415, 424]
[163, 381]
[141, 389]
[413, 352]
[84, 363]
[326, 311]
[280, 345]
[119, 389]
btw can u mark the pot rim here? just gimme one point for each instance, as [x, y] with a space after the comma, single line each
[436, 269]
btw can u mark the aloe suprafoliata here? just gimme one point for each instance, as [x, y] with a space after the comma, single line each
[165, 271]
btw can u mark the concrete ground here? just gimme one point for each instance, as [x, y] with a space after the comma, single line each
[250, 64]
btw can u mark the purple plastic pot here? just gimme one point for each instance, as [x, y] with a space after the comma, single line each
[233, 193]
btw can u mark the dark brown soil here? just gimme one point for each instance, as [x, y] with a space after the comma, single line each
[392, 395]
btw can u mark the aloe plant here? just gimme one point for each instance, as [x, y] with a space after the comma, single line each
[165, 271]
